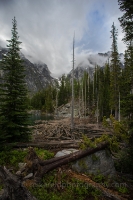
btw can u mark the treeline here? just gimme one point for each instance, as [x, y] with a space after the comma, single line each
[108, 91]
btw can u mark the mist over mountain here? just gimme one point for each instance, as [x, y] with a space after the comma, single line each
[89, 62]
[37, 74]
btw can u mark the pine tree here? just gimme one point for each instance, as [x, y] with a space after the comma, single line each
[114, 73]
[127, 86]
[13, 97]
[126, 20]
[106, 107]
[64, 93]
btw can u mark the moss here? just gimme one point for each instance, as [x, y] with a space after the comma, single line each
[94, 157]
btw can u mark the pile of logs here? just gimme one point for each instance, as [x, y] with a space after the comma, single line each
[48, 131]
[61, 130]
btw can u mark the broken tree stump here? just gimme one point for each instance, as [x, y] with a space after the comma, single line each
[13, 187]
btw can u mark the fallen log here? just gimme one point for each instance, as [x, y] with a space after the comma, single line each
[13, 187]
[48, 166]
[47, 145]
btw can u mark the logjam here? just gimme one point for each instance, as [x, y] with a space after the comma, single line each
[61, 130]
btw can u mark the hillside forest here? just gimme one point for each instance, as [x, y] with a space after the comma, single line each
[108, 91]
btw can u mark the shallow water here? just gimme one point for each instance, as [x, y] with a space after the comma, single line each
[34, 117]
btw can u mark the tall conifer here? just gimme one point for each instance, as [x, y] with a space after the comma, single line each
[114, 73]
[126, 20]
[13, 97]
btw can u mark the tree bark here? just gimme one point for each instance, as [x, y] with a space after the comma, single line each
[13, 187]
[47, 166]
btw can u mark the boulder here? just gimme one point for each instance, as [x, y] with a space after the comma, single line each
[65, 152]
[100, 162]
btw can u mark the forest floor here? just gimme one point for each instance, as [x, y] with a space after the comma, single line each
[64, 183]
[59, 135]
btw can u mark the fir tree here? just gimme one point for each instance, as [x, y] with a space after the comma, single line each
[126, 20]
[127, 86]
[106, 108]
[13, 97]
[114, 73]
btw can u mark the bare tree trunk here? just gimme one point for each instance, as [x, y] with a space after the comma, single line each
[13, 187]
[46, 167]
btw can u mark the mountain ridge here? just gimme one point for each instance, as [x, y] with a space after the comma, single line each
[37, 74]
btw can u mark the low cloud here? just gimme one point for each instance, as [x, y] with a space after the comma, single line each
[46, 29]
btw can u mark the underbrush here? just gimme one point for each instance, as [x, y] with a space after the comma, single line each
[63, 187]
[57, 184]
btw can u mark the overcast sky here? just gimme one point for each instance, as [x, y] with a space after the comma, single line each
[46, 29]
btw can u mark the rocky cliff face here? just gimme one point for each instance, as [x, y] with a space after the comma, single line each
[37, 75]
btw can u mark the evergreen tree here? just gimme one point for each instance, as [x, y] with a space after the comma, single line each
[85, 92]
[50, 99]
[13, 94]
[106, 94]
[126, 22]
[64, 94]
[127, 86]
[114, 73]
[127, 19]
[90, 94]
[38, 100]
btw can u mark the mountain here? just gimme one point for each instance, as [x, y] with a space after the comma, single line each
[91, 61]
[37, 75]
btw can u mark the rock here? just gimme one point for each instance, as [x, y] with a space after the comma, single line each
[1, 191]
[18, 173]
[65, 152]
[28, 176]
[22, 166]
[99, 162]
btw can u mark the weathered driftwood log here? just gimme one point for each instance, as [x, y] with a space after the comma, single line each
[47, 145]
[13, 187]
